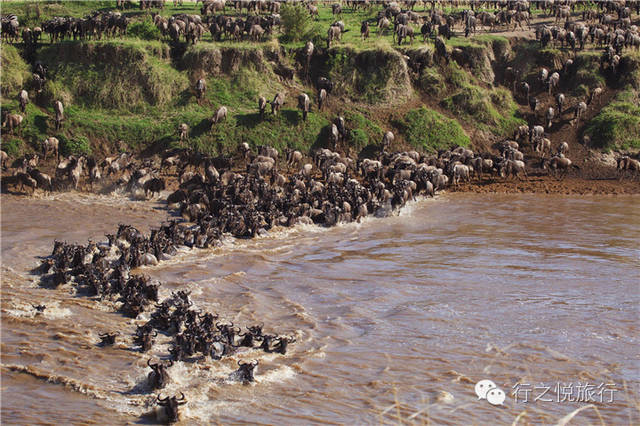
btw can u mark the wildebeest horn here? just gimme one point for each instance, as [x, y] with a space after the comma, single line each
[181, 397]
[150, 365]
[170, 363]
[156, 333]
[160, 399]
[241, 364]
[254, 362]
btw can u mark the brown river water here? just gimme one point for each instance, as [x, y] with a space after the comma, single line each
[396, 318]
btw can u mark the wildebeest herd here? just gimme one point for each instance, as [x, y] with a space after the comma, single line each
[262, 189]
[329, 190]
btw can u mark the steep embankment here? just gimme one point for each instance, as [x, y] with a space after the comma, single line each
[132, 95]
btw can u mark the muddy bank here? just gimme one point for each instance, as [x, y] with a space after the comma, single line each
[551, 185]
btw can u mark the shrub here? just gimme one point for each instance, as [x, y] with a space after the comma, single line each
[76, 145]
[296, 22]
[617, 126]
[359, 138]
[12, 147]
[144, 30]
[15, 71]
[430, 130]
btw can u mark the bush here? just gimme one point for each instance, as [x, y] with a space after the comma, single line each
[12, 147]
[77, 145]
[617, 126]
[359, 138]
[15, 71]
[144, 30]
[432, 82]
[296, 22]
[491, 110]
[431, 131]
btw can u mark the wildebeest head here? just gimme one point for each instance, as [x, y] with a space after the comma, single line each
[159, 377]
[108, 338]
[246, 370]
[171, 405]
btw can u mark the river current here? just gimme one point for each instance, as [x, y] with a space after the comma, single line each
[396, 319]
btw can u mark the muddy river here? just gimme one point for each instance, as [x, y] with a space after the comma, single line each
[396, 319]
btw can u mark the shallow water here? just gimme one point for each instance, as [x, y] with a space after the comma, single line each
[395, 318]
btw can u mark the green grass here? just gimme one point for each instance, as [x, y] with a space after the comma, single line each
[74, 145]
[138, 89]
[15, 71]
[12, 146]
[630, 70]
[617, 126]
[488, 109]
[33, 13]
[428, 130]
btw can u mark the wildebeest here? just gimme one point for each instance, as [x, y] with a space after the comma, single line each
[277, 102]
[183, 132]
[595, 94]
[334, 33]
[59, 114]
[23, 98]
[74, 171]
[563, 148]
[108, 339]
[553, 81]
[12, 121]
[560, 102]
[159, 377]
[23, 179]
[3, 160]
[308, 54]
[294, 159]
[220, 116]
[460, 173]
[245, 373]
[364, 30]
[383, 25]
[51, 144]
[334, 136]
[304, 104]
[512, 168]
[43, 180]
[154, 185]
[262, 105]
[171, 406]
[441, 49]
[322, 98]
[201, 88]
[549, 117]
[556, 164]
[387, 140]
[580, 109]
[627, 163]
[543, 145]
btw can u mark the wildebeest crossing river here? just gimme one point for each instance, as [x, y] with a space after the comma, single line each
[395, 318]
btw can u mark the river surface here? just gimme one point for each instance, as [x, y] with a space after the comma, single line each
[395, 318]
